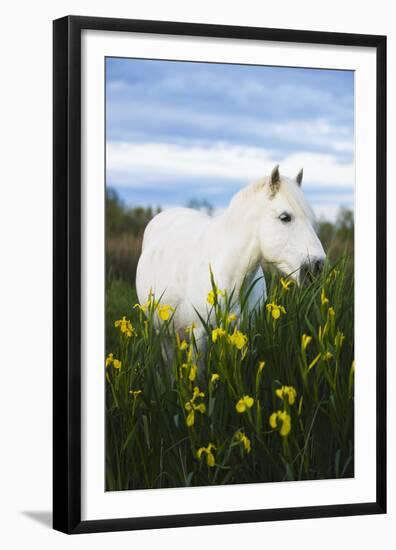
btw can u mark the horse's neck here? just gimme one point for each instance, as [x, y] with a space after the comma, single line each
[234, 241]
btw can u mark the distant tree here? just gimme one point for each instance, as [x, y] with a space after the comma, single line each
[125, 226]
[201, 204]
[338, 237]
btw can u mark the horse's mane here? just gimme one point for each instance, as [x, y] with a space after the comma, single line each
[290, 190]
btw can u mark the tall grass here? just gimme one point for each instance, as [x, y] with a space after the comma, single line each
[270, 398]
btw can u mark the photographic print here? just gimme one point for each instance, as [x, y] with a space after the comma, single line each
[229, 274]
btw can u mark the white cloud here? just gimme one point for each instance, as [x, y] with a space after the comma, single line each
[220, 164]
[310, 133]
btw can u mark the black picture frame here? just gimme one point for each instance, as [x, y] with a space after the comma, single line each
[67, 273]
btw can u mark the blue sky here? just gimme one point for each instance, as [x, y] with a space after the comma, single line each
[179, 130]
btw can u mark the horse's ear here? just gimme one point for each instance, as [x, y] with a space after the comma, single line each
[299, 177]
[275, 180]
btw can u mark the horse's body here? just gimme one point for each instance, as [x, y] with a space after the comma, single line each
[180, 244]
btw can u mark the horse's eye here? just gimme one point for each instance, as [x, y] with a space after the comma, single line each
[285, 217]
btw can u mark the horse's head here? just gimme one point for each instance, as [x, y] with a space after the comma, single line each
[287, 236]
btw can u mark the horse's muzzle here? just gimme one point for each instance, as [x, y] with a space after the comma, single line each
[310, 270]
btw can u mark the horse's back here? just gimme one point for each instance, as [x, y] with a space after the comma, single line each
[169, 244]
[172, 222]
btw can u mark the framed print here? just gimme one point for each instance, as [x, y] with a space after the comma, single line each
[219, 274]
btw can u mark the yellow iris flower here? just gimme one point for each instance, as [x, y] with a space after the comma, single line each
[287, 393]
[242, 438]
[125, 326]
[305, 341]
[281, 419]
[135, 393]
[142, 307]
[117, 364]
[246, 402]
[286, 284]
[323, 297]
[214, 377]
[218, 333]
[164, 311]
[110, 360]
[275, 309]
[193, 372]
[208, 451]
[213, 296]
[181, 344]
[238, 339]
[191, 406]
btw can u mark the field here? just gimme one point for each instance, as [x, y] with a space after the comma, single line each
[272, 398]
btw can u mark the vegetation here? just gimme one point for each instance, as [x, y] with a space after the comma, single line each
[269, 399]
[124, 234]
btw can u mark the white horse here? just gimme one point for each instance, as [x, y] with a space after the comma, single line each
[266, 222]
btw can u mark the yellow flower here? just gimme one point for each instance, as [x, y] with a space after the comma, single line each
[287, 393]
[232, 317]
[147, 305]
[214, 378]
[282, 419]
[261, 366]
[305, 341]
[193, 372]
[164, 312]
[125, 326]
[197, 393]
[286, 284]
[142, 307]
[135, 393]
[213, 295]
[190, 418]
[275, 309]
[210, 459]
[191, 407]
[116, 364]
[181, 344]
[200, 408]
[246, 402]
[218, 333]
[323, 298]
[238, 339]
[242, 438]
[110, 360]
[183, 366]
[331, 312]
